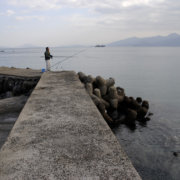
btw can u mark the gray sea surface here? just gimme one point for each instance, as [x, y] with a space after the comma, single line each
[149, 72]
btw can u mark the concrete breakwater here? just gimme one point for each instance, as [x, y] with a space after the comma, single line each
[113, 103]
[61, 135]
[103, 92]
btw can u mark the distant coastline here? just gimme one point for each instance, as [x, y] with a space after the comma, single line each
[171, 40]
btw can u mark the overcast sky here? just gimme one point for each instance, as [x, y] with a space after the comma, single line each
[87, 22]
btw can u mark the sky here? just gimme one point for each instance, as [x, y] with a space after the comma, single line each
[84, 22]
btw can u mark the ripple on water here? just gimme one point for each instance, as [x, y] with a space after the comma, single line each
[6, 124]
[150, 147]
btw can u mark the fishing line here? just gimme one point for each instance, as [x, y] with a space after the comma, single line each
[67, 58]
[57, 56]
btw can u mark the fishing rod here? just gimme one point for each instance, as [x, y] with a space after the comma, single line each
[67, 58]
[57, 56]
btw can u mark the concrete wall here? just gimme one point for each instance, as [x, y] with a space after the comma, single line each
[60, 134]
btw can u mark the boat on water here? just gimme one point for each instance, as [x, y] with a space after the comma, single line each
[100, 45]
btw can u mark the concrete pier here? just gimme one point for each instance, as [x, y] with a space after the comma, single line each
[19, 72]
[60, 134]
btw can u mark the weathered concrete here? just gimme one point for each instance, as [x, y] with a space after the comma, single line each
[20, 72]
[60, 134]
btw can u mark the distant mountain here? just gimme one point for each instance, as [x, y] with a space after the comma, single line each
[170, 40]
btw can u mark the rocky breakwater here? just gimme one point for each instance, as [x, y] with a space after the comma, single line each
[14, 86]
[112, 102]
[14, 92]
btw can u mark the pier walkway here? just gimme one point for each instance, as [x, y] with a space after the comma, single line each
[60, 134]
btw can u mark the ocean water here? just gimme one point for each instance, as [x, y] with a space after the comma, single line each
[149, 72]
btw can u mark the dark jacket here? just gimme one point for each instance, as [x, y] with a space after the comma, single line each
[47, 55]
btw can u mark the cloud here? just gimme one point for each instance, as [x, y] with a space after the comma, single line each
[93, 4]
[102, 17]
[36, 4]
[107, 11]
[22, 18]
[102, 21]
[9, 12]
[127, 3]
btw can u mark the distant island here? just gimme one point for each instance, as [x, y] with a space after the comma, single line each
[172, 40]
[100, 45]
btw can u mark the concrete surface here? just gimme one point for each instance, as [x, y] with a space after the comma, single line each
[20, 72]
[60, 134]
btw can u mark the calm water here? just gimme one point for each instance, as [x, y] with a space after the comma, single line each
[151, 73]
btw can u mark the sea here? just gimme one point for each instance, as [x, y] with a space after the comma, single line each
[152, 73]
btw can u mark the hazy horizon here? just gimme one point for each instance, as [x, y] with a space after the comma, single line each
[83, 45]
[83, 22]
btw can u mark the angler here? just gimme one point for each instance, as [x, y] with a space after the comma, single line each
[47, 56]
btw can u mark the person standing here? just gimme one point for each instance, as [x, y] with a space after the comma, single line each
[48, 56]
